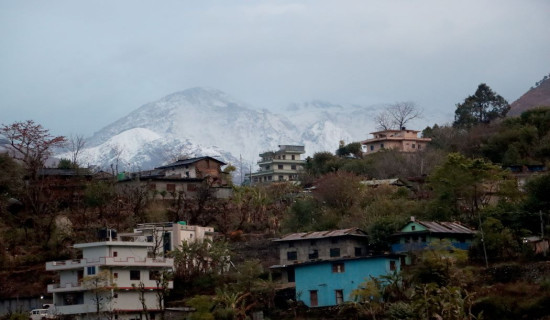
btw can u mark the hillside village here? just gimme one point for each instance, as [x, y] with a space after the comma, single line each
[450, 222]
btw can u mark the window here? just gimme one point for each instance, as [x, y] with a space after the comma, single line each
[392, 265]
[334, 252]
[115, 275]
[358, 251]
[134, 275]
[313, 302]
[269, 178]
[292, 255]
[381, 146]
[280, 167]
[338, 267]
[413, 228]
[171, 187]
[281, 178]
[284, 157]
[413, 146]
[90, 271]
[115, 295]
[419, 146]
[293, 157]
[293, 167]
[313, 254]
[154, 275]
[371, 147]
[115, 254]
[339, 296]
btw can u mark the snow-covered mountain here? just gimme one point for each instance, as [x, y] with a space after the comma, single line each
[204, 121]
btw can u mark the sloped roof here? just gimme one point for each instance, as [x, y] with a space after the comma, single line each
[355, 232]
[444, 227]
[378, 182]
[64, 172]
[188, 161]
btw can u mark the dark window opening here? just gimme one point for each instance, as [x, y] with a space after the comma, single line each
[338, 267]
[292, 255]
[134, 275]
[334, 252]
[313, 254]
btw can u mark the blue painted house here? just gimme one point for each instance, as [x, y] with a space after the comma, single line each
[331, 282]
[416, 235]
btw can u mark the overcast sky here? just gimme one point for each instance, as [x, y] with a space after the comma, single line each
[76, 66]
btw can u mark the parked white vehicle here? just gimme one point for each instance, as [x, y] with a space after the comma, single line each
[42, 314]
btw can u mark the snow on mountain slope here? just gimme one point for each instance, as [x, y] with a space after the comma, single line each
[208, 122]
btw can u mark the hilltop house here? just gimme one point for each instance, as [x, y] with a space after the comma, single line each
[401, 140]
[109, 279]
[416, 235]
[184, 177]
[281, 165]
[326, 266]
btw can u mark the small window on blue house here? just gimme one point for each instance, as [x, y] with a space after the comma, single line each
[413, 228]
[334, 252]
[338, 267]
[292, 255]
[339, 296]
[90, 271]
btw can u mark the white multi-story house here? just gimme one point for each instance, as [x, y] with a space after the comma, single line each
[113, 279]
[167, 236]
[278, 166]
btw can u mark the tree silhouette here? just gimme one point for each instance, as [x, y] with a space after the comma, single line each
[482, 107]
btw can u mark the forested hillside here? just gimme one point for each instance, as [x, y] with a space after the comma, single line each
[484, 171]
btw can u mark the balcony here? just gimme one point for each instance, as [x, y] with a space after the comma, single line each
[75, 309]
[65, 287]
[110, 261]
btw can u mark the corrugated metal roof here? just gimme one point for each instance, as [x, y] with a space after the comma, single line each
[356, 232]
[445, 227]
[188, 161]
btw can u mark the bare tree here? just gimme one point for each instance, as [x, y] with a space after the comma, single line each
[403, 112]
[397, 115]
[383, 121]
[31, 143]
[76, 145]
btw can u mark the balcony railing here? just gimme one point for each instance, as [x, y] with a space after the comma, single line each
[128, 261]
[62, 287]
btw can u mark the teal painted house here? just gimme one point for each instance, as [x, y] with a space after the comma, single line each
[416, 235]
[331, 282]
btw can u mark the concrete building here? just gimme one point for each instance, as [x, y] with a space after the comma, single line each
[329, 283]
[167, 236]
[303, 247]
[281, 165]
[183, 177]
[417, 235]
[109, 279]
[401, 140]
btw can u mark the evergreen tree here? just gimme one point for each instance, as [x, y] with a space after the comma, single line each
[482, 107]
